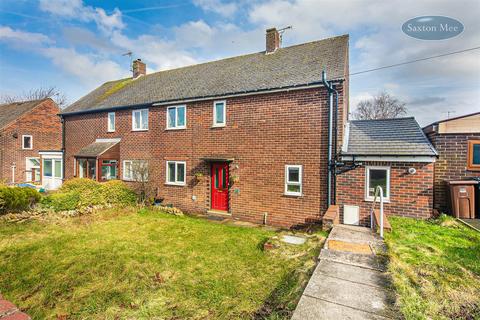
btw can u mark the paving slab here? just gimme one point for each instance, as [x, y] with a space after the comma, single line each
[313, 308]
[360, 260]
[351, 273]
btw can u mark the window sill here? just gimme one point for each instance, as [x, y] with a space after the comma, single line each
[114, 131]
[27, 148]
[139, 130]
[218, 126]
[175, 184]
[385, 200]
[290, 195]
[181, 128]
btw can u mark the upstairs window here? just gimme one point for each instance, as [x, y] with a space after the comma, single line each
[219, 113]
[377, 176]
[140, 120]
[176, 173]
[176, 117]
[111, 121]
[293, 180]
[27, 142]
[473, 155]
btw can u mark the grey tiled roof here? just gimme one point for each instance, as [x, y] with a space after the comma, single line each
[287, 67]
[95, 149]
[388, 137]
[9, 112]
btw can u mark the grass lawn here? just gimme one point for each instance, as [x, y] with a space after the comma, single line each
[435, 267]
[147, 265]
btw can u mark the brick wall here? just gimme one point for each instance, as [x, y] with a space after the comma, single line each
[410, 195]
[263, 133]
[451, 164]
[43, 124]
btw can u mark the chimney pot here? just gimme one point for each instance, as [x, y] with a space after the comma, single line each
[139, 68]
[272, 40]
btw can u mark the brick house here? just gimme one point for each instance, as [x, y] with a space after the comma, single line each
[457, 141]
[254, 137]
[31, 140]
[392, 153]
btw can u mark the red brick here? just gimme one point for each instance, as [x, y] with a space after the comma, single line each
[6, 307]
[16, 316]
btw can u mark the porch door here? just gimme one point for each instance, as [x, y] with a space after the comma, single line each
[52, 173]
[220, 186]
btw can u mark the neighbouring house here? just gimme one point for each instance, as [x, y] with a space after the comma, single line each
[31, 141]
[245, 137]
[457, 141]
[392, 153]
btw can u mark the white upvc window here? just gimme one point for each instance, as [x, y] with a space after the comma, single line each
[219, 113]
[135, 170]
[176, 173]
[111, 122]
[377, 176]
[177, 117]
[293, 180]
[140, 120]
[27, 142]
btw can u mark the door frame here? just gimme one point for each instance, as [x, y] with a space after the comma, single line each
[226, 164]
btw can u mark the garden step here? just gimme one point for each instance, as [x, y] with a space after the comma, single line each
[355, 259]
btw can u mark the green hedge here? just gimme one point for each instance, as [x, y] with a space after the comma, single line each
[80, 193]
[14, 199]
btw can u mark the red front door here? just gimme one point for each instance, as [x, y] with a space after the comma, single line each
[220, 186]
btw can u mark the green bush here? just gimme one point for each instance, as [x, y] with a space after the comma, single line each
[80, 193]
[116, 192]
[61, 201]
[17, 199]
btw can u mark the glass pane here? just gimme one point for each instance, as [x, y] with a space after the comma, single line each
[171, 117]
[181, 116]
[219, 113]
[92, 169]
[294, 174]
[47, 167]
[27, 142]
[37, 175]
[216, 178]
[136, 120]
[58, 169]
[81, 168]
[180, 172]
[378, 177]
[476, 154]
[171, 172]
[224, 178]
[128, 170]
[293, 188]
[144, 119]
[34, 162]
[111, 121]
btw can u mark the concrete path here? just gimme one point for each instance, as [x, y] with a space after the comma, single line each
[349, 281]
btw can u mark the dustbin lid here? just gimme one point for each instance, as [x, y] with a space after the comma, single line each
[463, 182]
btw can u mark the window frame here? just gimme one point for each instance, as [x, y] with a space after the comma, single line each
[124, 170]
[176, 182]
[141, 119]
[131, 178]
[109, 122]
[176, 127]
[27, 159]
[23, 141]
[299, 183]
[470, 165]
[224, 123]
[386, 193]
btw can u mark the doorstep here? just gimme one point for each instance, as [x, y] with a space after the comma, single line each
[219, 212]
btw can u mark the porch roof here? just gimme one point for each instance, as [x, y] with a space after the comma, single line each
[95, 149]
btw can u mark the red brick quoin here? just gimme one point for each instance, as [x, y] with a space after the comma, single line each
[8, 311]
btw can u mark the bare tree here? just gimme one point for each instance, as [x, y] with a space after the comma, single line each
[37, 94]
[144, 187]
[381, 106]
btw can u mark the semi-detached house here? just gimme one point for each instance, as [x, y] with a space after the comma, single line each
[254, 137]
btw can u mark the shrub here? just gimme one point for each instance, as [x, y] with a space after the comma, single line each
[89, 190]
[17, 199]
[116, 192]
[62, 201]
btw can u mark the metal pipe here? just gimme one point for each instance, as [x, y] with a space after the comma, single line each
[62, 120]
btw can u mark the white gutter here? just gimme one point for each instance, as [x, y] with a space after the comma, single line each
[426, 159]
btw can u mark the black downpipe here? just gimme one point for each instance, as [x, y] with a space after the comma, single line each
[335, 148]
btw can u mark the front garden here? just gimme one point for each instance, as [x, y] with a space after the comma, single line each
[125, 262]
[435, 266]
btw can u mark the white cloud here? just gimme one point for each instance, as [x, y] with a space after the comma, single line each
[10, 35]
[217, 6]
[75, 9]
[89, 69]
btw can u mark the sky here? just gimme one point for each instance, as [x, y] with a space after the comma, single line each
[77, 45]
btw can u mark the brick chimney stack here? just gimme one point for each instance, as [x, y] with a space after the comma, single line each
[272, 40]
[139, 68]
